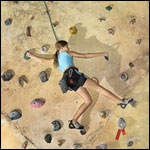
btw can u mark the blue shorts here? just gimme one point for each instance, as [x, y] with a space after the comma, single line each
[75, 79]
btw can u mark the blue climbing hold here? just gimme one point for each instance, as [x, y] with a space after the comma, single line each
[121, 123]
[106, 57]
[8, 22]
[15, 115]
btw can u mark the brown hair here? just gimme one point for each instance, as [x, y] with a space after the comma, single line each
[58, 45]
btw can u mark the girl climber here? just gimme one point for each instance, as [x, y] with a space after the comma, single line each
[76, 81]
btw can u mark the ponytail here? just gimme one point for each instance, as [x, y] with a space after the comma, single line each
[56, 59]
[58, 45]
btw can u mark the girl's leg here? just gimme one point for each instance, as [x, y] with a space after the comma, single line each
[90, 83]
[87, 102]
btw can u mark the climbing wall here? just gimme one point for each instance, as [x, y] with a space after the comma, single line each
[31, 96]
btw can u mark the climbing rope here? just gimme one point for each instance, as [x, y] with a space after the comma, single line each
[50, 21]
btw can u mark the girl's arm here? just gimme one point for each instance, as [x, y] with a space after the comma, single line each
[87, 55]
[39, 58]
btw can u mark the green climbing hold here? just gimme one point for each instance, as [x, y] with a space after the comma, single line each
[25, 56]
[108, 8]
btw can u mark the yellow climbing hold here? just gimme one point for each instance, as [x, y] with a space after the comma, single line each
[73, 30]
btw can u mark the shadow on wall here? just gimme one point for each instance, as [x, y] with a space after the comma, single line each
[98, 67]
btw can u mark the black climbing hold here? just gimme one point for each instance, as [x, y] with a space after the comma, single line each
[25, 56]
[108, 8]
[121, 123]
[43, 76]
[48, 138]
[56, 125]
[8, 22]
[130, 143]
[106, 57]
[7, 75]
[15, 115]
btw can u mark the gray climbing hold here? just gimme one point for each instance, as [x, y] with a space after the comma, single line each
[56, 125]
[43, 76]
[111, 30]
[102, 146]
[44, 48]
[25, 56]
[15, 115]
[8, 75]
[56, 23]
[77, 145]
[102, 19]
[123, 76]
[48, 138]
[121, 123]
[130, 143]
[109, 8]
[8, 22]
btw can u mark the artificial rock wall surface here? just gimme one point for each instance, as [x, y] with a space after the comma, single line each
[121, 31]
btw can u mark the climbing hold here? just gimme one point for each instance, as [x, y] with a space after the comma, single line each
[111, 30]
[56, 125]
[44, 48]
[138, 41]
[25, 56]
[103, 114]
[130, 143]
[43, 76]
[60, 142]
[102, 146]
[73, 30]
[77, 145]
[108, 8]
[56, 23]
[8, 75]
[28, 33]
[131, 64]
[106, 57]
[132, 19]
[48, 138]
[32, 17]
[134, 103]
[123, 76]
[22, 79]
[8, 22]
[15, 115]
[121, 123]
[15, 2]
[102, 19]
[37, 103]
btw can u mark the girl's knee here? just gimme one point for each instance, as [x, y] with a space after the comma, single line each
[89, 102]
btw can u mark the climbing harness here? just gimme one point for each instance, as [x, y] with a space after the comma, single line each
[50, 20]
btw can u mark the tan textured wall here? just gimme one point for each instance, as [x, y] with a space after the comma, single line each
[92, 36]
